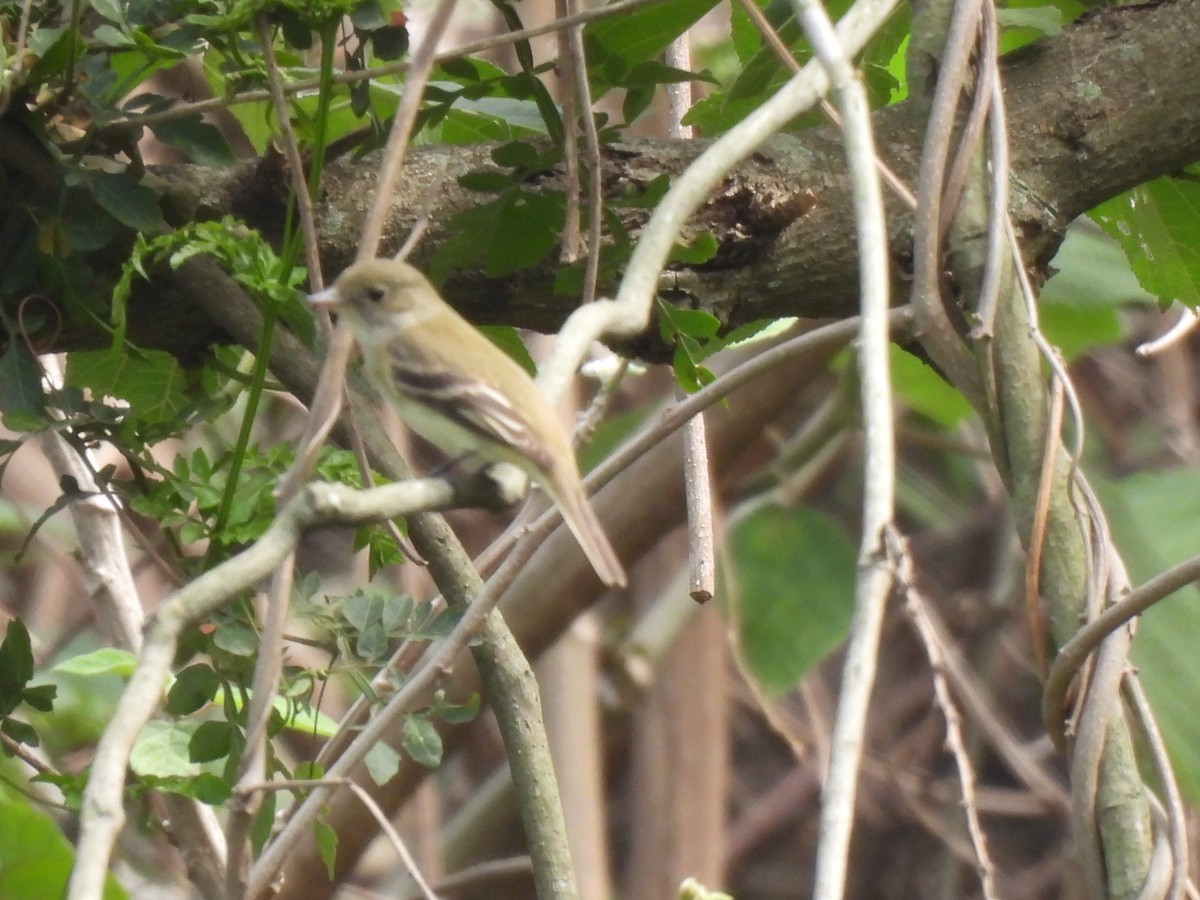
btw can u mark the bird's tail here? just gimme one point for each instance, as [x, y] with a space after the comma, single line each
[577, 512]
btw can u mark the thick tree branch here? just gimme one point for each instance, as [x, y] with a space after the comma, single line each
[1111, 102]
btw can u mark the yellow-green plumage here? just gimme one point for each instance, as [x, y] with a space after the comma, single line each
[460, 391]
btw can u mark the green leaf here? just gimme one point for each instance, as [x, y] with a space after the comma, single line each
[527, 230]
[389, 43]
[161, 750]
[196, 139]
[327, 841]
[151, 381]
[207, 788]
[16, 665]
[40, 697]
[509, 340]
[20, 383]
[924, 391]
[20, 732]
[211, 741]
[127, 200]
[194, 688]
[396, 616]
[35, 858]
[303, 718]
[368, 16]
[422, 741]
[1153, 519]
[455, 713]
[795, 575]
[675, 320]
[698, 251]
[112, 38]
[105, 661]
[1046, 19]
[620, 43]
[517, 155]
[382, 763]
[109, 9]
[485, 182]
[236, 638]
[1081, 305]
[1158, 226]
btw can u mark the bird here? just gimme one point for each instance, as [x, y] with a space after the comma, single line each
[461, 392]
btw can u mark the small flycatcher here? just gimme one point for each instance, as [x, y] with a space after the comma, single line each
[460, 391]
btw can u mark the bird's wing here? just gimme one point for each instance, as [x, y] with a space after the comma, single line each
[471, 404]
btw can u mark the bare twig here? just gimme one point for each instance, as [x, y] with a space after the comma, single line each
[372, 807]
[918, 612]
[420, 64]
[877, 554]
[630, 311]
[103, 810]
[306, 86]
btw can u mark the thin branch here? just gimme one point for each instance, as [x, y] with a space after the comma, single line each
[630, 311]
[877, 555]
[320, 503]
[420, 64]
[919, 613]
[268, 665]
[702, 555]
[309, 85]
[385, 825]
[1075, 652]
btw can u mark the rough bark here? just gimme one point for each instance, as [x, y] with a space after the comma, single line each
[1111, 102]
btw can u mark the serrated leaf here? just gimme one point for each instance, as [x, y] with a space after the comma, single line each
[795, 572]
[151, 381]
[1158, 227]
[105, 661]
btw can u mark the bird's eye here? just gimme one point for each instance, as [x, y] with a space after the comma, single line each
[375, 294]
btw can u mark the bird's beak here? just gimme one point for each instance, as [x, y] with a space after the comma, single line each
[327, 297]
